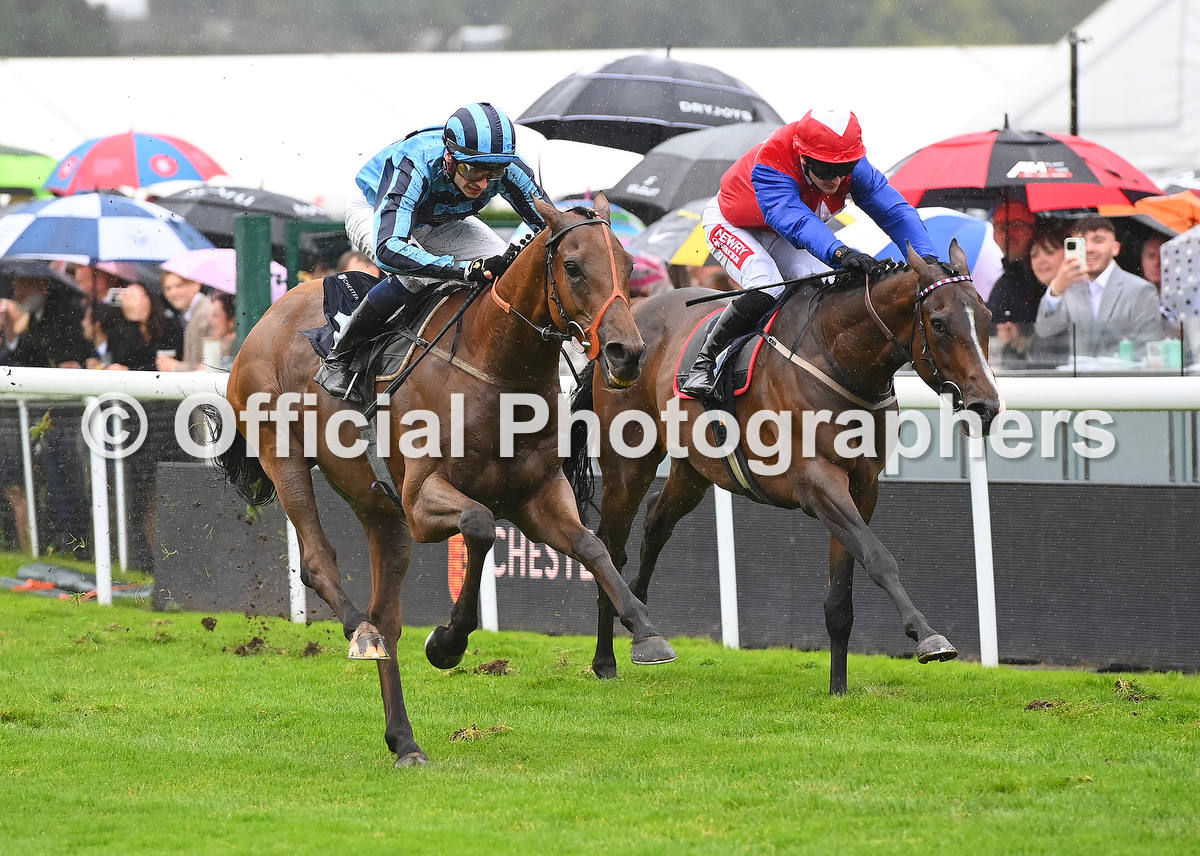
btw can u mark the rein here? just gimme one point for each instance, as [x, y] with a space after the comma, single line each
[589, 338]
[937, 381]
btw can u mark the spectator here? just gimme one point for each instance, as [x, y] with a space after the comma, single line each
[223, 327]
[649, 277]
[1015, 294]
[1104, 303]
[194, 310]
[147, 328]
[354, 260]
[1151, 265]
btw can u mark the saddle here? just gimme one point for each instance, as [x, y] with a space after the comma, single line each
[735, 365]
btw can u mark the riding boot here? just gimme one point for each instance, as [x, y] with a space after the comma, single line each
[334, 375]
[739, 318]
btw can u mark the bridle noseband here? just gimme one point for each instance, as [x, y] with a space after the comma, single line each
[589, 338]
[936, 380]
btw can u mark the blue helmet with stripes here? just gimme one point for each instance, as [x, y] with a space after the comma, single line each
[480, 133]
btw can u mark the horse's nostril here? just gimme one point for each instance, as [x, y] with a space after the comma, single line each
[616, 353]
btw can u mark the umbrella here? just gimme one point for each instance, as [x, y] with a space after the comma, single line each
[92, 227]
[984, 256]
[22, 171]
[685, 168]
[217, 268]
[213, 209]
[130, 160]
[624, 224]
[1178, 211]
[34, 269]
[638, 101]
[678, 238]
[1048, 172]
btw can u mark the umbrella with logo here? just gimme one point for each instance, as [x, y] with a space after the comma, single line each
[23, 172]
[1048, 172]
[217, 268]
[974, 235]
[624, 224]
[213, 209]
[678, 238]
[685, 168]
[91, 227]
[130, 160]
[636, 102]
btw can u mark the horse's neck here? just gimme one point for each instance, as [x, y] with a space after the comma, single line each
[848, 338]
[500, 340]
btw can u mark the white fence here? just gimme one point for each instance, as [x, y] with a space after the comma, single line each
[1065, 393]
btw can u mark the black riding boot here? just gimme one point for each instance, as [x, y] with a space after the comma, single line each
[335, 376]
[739, 318]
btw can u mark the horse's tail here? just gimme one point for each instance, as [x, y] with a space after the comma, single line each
[578, 465]
[241, 469]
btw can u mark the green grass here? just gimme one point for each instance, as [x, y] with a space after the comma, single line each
[128, 731]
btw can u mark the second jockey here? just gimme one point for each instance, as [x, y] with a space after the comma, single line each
[413, 212]
[768, 223]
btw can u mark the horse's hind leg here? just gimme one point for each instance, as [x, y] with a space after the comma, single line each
[439, 511]
[390, 544]
[318, 561]
[839, 612]
[832, 504]
[625, 484]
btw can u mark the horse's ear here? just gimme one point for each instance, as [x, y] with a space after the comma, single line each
[917, 263]
[550, 214]
[600, 204]
[958, 259]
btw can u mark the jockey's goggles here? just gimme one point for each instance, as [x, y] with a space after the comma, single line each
[474, 172]
[829, 171]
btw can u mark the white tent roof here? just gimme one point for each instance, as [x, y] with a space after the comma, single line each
[1138, 90]
[303, 125]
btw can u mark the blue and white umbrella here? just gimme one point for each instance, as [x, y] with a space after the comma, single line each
[95, 227]
[974, 235]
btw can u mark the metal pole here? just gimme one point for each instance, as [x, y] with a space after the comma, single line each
[1074, 41]
[727, 568]
[100, 531]
[297, 596]
[27, 461]
[119, 495]
[252, 238]
[985, 582]
[489, 613]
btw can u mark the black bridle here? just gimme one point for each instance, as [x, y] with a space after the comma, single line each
[936, 380]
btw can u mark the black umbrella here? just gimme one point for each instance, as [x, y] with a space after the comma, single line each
[32, 269]
[212, 209]
[677, 238]
[684, 168]
[638, 101]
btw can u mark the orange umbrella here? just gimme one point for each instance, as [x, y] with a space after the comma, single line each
[1179, 211]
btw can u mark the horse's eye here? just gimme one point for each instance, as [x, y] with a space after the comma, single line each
[573, 270]
[939, 326]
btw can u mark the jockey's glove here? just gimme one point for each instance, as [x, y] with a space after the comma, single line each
[495, 265]
[855, 260]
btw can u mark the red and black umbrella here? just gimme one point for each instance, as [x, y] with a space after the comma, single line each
[1048, 172]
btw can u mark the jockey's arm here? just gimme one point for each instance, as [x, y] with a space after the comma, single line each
[785, 212]
[890, 211]
[401, 189]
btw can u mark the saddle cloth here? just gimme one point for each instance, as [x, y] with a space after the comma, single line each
[737, 355]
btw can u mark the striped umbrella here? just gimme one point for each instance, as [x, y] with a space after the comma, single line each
[130, 160]
[92, 227]
[1048, 172]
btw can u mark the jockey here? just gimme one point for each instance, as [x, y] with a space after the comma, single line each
[767, 224]
[412, 212]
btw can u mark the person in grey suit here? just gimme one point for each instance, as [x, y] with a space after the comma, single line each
[1104, 303]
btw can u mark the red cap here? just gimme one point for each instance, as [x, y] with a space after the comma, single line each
[831, 136]
[1013, 210]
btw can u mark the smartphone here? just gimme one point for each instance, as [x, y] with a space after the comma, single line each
[113, 298]
[1076, 247]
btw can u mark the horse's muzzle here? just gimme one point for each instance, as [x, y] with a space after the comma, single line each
[622, 364]
[987, 411]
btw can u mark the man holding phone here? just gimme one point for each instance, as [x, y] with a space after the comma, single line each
[1104, 303]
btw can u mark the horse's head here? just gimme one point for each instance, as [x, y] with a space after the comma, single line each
[950, 342]
[588, 280]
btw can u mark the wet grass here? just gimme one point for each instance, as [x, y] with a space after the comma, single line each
[128, 731]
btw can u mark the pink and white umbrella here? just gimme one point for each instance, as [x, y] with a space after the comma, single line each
[217, 268]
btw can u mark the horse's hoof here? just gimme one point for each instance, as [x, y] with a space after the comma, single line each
[604, 671]
[412, 759]
[935, 647]
[437, 656]
[652, 651]
[367, 643]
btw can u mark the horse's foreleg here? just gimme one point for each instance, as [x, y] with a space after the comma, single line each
[684, 489]
[550, 517]
[624, 486]
[439, 511]
[832, 504]
[390, 545]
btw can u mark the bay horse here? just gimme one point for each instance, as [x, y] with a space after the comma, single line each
[845, 346]
[572, 280]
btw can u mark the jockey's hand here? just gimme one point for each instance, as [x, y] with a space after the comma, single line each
[479, 270]
[855, 260]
